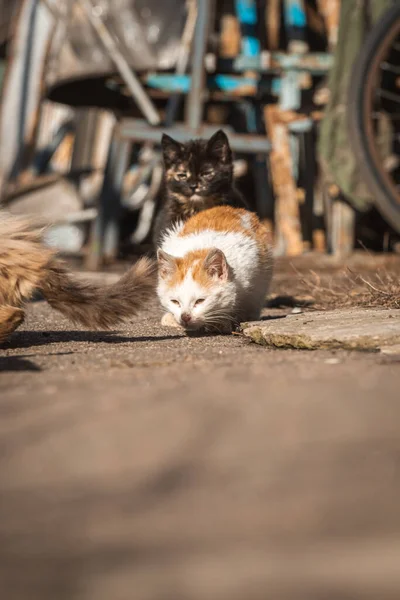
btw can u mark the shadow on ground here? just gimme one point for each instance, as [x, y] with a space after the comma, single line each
[17, 363]
[27, 339]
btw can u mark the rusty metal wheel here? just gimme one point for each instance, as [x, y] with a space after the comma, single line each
[374, 113]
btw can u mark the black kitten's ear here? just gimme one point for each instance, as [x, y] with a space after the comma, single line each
[219, 148]
[215, 264]
[166, 264]
[171, 149]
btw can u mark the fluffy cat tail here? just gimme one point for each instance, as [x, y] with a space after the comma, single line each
[95, 306]
[27, 264]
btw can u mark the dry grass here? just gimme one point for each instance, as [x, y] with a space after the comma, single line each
[343, 288]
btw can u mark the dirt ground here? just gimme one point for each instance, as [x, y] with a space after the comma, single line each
[142, 464]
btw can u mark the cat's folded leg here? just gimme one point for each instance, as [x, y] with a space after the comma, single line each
[225, 328]
[10, 318]
[168, 320]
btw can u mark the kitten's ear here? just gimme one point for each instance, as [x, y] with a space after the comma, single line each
[171, 149]
[216, 266]
[219, 148]
[166, 264]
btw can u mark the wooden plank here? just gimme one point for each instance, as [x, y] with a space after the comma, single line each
[315, 20]
[319, 240]
[62, 156]
[288, 239]
[330, 11]
[295, 25]
[230, 38]
[273, 23]
[343, 229]
[52, 116]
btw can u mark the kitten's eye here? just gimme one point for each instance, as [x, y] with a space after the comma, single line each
[208, 174]
[181, 176]
[199, 301]
[175, 302]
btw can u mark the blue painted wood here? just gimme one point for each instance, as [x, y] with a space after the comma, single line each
[296, 24]
[294, 14]
[182, 83]
[250, 46]
[246, 12]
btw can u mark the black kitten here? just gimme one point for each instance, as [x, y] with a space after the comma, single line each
[197, 175]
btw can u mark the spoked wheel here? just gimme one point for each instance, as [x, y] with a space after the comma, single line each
[374, 114]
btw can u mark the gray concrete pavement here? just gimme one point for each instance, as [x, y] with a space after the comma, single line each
[144, 465]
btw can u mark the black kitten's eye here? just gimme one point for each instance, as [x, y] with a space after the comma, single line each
[199, 301]
[181, 176]
[175, 301]
[208, 174]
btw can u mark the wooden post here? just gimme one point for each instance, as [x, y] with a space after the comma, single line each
[288, 239]
[230, 38]
[343, 229]
[340, 222]
[273, 23]
[330, 11]
[320, 225]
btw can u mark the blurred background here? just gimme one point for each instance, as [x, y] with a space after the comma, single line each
[308, 91]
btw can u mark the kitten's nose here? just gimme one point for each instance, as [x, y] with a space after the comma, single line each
[193, 186]
[186, 318]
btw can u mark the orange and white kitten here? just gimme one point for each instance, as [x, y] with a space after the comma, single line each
[214, 270]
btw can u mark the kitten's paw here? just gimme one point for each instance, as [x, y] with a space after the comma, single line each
[168, 320]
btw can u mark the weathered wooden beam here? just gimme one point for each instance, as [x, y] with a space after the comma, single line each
[230, 38]
[330, 11]
[288, 239]
[273, 23]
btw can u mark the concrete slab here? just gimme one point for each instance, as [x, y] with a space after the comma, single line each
[350, 329]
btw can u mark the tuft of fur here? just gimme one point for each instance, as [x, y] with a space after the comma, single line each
[27, 265]
[197, 176]
[215, 269]
[95, 306]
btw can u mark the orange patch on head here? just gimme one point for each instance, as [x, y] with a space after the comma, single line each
[194, 262]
